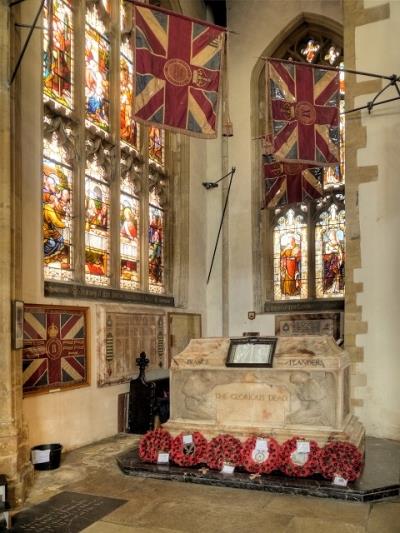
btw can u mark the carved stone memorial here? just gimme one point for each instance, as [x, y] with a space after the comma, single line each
[305, 393]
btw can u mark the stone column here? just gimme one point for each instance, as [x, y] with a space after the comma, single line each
[14, 452]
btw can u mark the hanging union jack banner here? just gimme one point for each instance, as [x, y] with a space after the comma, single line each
[288, 183]
[55, 351]
[304, 112]
[177, 71]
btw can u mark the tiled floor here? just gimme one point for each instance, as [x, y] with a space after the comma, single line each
[172, 507]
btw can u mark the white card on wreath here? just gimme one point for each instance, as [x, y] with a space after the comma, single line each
[227, 468]
[163, 458]
[340, 481]
[303, 446]
[261, 445]
[187, 439]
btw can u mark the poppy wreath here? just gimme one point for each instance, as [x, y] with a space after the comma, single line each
[260, 465]
[155, 441]
[290, 468]
[340, 459]
[189, 454]
[223, 449]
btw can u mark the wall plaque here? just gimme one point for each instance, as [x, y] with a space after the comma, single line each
[122, 336]
[309, 324]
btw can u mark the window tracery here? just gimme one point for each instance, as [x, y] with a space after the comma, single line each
[308, 240]
[110, 201]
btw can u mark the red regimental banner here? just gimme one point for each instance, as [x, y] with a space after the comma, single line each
[177, 72]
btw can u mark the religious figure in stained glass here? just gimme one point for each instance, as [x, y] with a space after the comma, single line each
[156, 244]
[57, 219]
[290, 265]
[330, 253]
[129, 241]
[128, 127]
[97, 226]
[97, 76]
[290, 257]
[57, 52]
[156, 145]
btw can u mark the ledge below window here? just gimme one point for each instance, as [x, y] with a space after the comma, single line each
[72, 290]
[309, 305]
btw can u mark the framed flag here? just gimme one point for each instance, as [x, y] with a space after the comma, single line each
[177, 71]
[55, 353]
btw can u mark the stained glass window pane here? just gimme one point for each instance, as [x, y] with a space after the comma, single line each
[97, 226]
[156, 245]
[97, 59]
[330, 253]
[129, 236]
[290, 257]
[58, 52]
[156, 145]
[57, 212]
[310, 50]
[334, 176]
[128, 127]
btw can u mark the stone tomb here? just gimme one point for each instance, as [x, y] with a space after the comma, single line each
[305, 393]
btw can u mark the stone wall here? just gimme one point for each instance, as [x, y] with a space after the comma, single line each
[14, 451]
[372, 199]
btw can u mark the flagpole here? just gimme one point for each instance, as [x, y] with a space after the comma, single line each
[232, 172]
[393, 78]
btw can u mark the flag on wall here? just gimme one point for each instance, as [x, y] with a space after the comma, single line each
[55, 352]
[287, 183]
[304, 103]
[177, 72]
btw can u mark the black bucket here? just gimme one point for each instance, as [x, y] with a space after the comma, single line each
[46, 456]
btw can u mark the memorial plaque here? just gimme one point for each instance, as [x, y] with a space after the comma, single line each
[66, 511]
[291, 325]
[122, 337]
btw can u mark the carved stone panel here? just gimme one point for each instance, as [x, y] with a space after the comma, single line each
[291, 325]
[122, 336]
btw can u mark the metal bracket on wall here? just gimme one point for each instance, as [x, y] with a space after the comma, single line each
[26, 43]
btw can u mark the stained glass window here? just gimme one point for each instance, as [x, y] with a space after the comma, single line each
[57, 212]
[156, 244]
[97, 59]
[57, 51]
[310, 50]
[97, 225]
[105, 196]
[330, 253]
[129, 236]
[156, 145]
[290, 257]
[129, 129]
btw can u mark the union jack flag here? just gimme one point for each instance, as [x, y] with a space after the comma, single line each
[54, 352]
[304, 112]
[178, 70]
[287, 183]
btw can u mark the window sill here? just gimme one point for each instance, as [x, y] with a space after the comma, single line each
[304, 305]
[87, 292]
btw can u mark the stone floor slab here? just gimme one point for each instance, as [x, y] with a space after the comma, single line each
[107, 527]
[306, 506]
[384, 518]
[302, 524]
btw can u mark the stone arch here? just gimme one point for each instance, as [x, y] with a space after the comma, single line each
[303, 23]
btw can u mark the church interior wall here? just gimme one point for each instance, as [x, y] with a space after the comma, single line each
[83, 415]
[256, 29]
[376, 45]
[87, 414]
